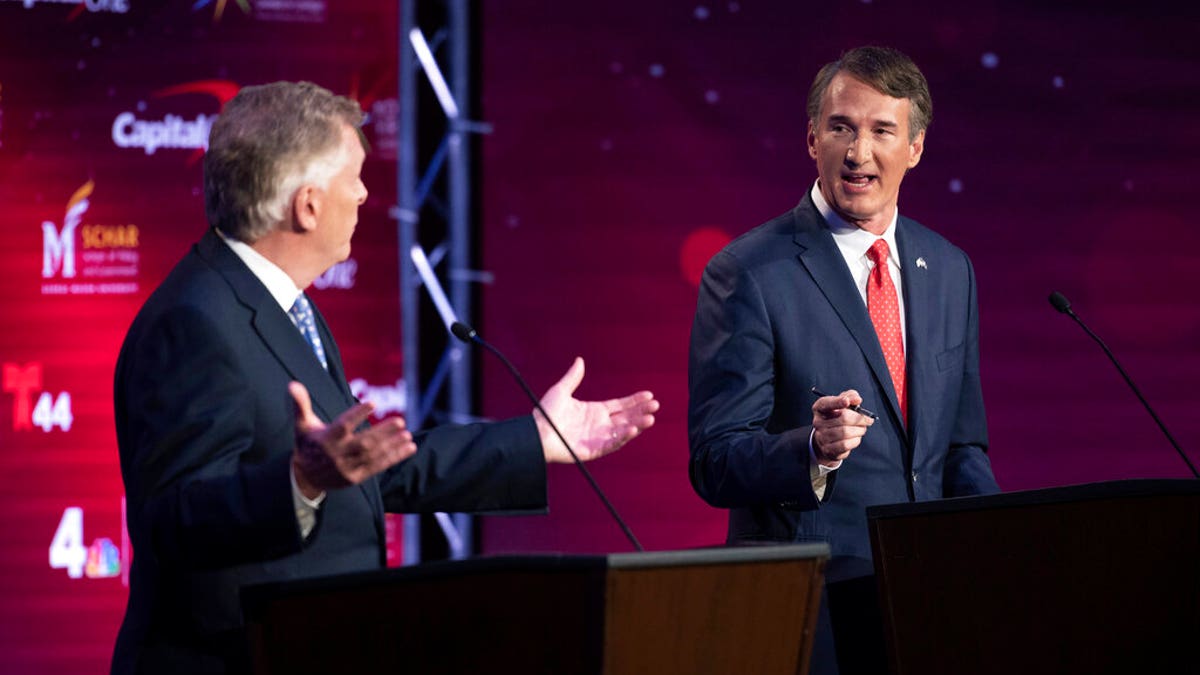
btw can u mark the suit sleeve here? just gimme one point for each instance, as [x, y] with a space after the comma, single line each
[968, 471]
[210, 494]
[471, 468]
[735, 460]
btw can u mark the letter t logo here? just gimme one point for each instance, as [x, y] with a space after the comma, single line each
[22, 383]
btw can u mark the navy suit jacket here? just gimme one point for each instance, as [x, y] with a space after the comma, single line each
[205, 427]
[778, 313]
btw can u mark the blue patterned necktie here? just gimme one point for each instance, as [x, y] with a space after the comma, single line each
[302, 313]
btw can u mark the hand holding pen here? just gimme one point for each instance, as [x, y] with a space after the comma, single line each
[836, 434]
[856, 408]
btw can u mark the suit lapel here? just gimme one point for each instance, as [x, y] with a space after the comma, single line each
[297, 357]
[333, 355]
[337, 374]
[328, 391]
[823, 260]
[919, 301]
[275, 329]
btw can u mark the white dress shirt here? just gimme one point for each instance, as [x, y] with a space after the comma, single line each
[853, 243]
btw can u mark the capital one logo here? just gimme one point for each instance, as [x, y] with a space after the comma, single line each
[58, 246]
[172, 131]
[387, 398]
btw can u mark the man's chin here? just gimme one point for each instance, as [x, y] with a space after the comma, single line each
[858, 208]
[853, 214]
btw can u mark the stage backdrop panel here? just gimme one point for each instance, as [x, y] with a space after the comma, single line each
[105, 107]
[633, 139]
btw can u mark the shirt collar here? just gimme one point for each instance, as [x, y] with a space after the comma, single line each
[852, 240]
[278, 283]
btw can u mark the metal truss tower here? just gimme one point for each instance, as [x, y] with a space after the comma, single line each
[435, 214]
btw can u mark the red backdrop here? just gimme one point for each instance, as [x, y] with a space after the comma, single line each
[630, 139]
[104, 107]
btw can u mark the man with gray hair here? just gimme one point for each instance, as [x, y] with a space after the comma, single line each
[840, 294]
[244, 455]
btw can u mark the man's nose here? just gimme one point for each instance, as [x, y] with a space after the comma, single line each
[859, 150]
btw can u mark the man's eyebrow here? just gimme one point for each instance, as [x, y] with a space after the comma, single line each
[844, 119]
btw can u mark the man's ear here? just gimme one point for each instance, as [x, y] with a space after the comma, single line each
[306, 207]
[916, 148]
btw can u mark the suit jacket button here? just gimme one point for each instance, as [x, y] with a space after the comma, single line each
[914, 476]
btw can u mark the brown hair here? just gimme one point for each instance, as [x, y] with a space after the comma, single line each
[884, 69]
[268, 141]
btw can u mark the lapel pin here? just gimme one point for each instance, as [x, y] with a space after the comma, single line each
[921, 263]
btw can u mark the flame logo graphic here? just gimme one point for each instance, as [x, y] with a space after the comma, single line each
[219, 10]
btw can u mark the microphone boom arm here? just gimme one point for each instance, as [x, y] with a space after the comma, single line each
[467, 334]
[1060, 303]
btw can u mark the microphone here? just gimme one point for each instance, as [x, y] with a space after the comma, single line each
[464, 332]
[1060, 303]
[467, 334]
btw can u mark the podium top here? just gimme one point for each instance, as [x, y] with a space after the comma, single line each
[1121, 489]
[257, 596]
[717, 556]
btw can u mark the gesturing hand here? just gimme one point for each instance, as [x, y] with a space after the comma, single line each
[593, 428]
[836, 428]
[332, 456]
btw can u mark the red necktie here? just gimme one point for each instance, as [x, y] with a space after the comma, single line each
[885, 314]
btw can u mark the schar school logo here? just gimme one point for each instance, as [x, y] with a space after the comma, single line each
[172, 131]
[107, 262]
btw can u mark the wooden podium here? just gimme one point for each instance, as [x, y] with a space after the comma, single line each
[729, 610]
[1099, 578]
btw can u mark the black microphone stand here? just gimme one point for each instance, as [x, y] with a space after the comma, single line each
[1060, 303]
[467, 334]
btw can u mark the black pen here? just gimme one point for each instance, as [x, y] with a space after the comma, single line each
[858, 409]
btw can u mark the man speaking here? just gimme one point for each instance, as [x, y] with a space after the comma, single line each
[842, 296]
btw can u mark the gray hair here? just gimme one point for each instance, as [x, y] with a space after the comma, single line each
[884, 69]
[270, 140]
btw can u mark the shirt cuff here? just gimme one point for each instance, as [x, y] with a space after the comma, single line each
[817, 469]
[306, 509]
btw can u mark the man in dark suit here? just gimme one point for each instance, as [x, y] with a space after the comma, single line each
[245, 457]
[840, 293]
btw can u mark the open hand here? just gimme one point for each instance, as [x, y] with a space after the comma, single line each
[333, 456]
[593, 428]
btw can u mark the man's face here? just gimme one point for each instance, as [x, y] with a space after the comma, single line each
[862, 149]
[341, 199]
